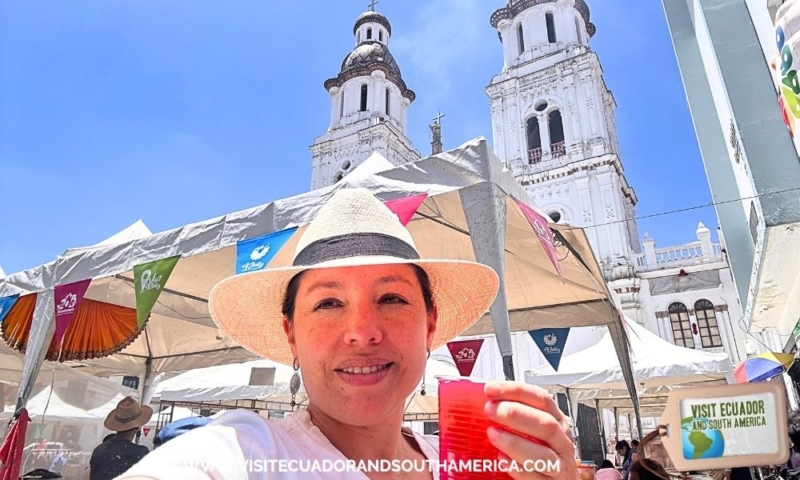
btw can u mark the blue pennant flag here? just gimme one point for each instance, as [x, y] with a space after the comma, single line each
[5, 305]
[255, 254]
[551, 342]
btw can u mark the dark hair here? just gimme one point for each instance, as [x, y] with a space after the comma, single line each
[290, 297]
[634, 443]
[623, 444]
[794, 429]
[648, 469]
[606, 464]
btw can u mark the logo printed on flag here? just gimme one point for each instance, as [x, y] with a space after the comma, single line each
[465, 353]
[551, 343]
[542, 229]
[149, 280]
[255, 254]
[67, 297]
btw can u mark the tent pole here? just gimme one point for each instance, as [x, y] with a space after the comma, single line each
[630, 426]
[484, 207]
[616, 424]
[600, 424]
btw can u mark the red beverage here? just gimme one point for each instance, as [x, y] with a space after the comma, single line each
[462, 430]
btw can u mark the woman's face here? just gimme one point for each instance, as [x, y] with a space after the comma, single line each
[361, 335]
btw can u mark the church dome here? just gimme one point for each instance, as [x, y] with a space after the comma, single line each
[366, 58]
[372, 17]
[515, 7]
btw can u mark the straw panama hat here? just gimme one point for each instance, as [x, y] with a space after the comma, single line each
[128, 415]
[354, 228]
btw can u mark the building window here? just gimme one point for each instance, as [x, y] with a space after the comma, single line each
[369, 34]
[556, 133]
[380, 35]
[363, 106]
[551, 27]
[681, 326]
[338, 178]
[555, 216]
[520, 39]
[534, 141]
[341, 105]
[707, 323]
[358, 37]
[578, 29]
[388, 102]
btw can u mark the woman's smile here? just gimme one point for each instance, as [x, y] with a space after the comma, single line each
[366, 375]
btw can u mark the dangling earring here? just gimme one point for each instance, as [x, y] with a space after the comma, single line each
[294, 383]
[422, 392]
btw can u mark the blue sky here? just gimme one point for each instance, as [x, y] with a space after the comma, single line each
[174, 112]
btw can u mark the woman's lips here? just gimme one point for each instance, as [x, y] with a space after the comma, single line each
[362, 376]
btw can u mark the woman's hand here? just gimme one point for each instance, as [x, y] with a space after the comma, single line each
[529, 410]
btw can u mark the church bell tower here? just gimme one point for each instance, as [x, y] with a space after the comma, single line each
[369, 106]
[553, 123]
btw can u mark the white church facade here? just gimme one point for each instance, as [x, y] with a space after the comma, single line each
[553, 125]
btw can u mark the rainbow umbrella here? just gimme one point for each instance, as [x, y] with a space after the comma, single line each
[762, 367]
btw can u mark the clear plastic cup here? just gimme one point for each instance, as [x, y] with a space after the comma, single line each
[462, 430]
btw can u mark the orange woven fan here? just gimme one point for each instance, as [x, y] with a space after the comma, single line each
[97, 330]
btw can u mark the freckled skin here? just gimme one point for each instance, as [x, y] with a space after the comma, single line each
[371, 315]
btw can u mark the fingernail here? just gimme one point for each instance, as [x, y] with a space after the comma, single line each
[493, 433]
[492, 389]
[490, 408]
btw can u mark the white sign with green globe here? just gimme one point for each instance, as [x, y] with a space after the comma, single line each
[727, 426]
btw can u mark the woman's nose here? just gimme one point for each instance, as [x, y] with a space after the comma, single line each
[363, 325]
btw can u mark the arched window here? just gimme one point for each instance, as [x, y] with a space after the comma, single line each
[578, 30]
[681, 327]
[388, 101]
[380, 35]
[358, 37]
[534, 140]
[520, 39]
[363, 106]
[707, 323]
[338, 178]
[369, 34]
[341, 105]
[556, 133]
[551, 27]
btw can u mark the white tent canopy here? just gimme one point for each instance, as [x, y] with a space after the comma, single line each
[136, 231]
[658, 367]
[469, 214]
[226, 384]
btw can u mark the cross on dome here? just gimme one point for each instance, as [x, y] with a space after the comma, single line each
[438, 118]
[372, 5]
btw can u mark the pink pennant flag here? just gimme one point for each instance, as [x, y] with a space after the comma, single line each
[465, 352]
[406, 207]
[67, 298]
[542, 229]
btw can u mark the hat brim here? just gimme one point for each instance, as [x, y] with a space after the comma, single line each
[115, 426]
[247, 307]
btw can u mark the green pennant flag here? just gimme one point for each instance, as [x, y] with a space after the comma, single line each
[149, 279]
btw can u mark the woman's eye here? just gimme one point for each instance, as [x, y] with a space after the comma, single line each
[393, 299]
[327, 304]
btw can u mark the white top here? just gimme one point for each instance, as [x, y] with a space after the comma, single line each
[241, 445]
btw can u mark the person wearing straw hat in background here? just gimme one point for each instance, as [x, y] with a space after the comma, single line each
[357, 313]
[116, 455]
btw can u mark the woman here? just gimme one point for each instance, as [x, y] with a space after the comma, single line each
[648, 469]
[607, 472]
[358, 313]
[625, 453]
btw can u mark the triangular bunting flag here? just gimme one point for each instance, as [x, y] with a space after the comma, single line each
[542, 229]
[406, 207]
[149, 280]
[6, 303]
[551, 342]
[465, 353]
[255, 254]
[67, 298]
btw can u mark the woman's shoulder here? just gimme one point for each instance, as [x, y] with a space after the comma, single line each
[220, 449]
